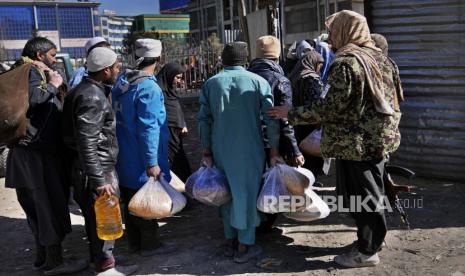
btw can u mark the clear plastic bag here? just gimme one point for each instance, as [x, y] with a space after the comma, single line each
[316, 208]
[177, 183]
[209, 186]
[156, 199]
[311, 145]
[272, 193]
[294, 181]
[307, 173]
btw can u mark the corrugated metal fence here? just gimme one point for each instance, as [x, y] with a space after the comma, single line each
[427, 40]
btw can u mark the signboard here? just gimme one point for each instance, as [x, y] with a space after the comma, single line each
[51, 35]
[13, 44]
[73, 42]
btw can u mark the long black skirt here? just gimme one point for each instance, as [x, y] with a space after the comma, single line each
[176, 155]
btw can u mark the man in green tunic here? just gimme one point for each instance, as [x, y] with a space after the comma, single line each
[232, 104]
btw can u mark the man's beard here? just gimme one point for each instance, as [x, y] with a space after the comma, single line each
[49, 63]
[110, 81]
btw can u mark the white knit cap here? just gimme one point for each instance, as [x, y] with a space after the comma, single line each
[94, 41]
[100, 58]
[146, 47]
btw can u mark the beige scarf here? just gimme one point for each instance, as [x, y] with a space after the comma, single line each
[350, 36]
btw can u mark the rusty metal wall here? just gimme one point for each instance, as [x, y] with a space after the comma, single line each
[427, 41]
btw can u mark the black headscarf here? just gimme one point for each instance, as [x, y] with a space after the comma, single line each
[306, 66]
[173, 108]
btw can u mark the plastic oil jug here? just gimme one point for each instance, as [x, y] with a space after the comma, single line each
[108, 216]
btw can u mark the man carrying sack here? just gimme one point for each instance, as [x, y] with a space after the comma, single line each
[35, 167]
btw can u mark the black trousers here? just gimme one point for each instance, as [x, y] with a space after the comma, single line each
[364, 179]
[38, 178]
[176, 155]
[101, 252]
[142, 234]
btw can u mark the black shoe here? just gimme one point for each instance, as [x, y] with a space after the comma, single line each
[228, 251]
[164, 248]
[230, 248]
[252, 252]
[39, 262]
[67, 267]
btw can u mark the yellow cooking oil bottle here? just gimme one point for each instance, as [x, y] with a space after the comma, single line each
[108, 216]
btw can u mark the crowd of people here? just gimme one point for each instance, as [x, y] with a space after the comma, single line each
[113, 130]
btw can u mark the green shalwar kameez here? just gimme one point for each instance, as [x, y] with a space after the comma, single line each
[232, 104]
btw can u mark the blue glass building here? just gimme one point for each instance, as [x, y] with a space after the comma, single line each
[68, 24]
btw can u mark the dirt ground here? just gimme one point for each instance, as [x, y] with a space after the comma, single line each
[435, 244]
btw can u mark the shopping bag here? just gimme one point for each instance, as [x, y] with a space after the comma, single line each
[273, 193]
[316, 208]
[209, 186]
[156, 199]
[294, 181]
[177, 183]
[311, 145]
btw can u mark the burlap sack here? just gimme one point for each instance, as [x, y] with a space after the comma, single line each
[14, 103]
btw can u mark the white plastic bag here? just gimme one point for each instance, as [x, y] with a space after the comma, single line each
[294, 181]
[307, 173]
[273, 193]
[311, 145]
[209, 186]
[156, 199]
[177, 183]
[316, 208]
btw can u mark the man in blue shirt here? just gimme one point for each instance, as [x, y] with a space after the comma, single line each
[142, 132]
[81, 72]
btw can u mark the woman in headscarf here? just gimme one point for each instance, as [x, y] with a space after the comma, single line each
[360, 117]
[169, 77]
[296, 51]
[328, 56]
[307, 88]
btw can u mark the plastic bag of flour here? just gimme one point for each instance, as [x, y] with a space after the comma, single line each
[156, 199]
[273, 193]
[209, 186]
[315, 208]
[293, 179]
[311, 145]
[177, 183]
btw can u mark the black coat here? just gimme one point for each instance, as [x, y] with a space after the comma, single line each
[89, 129]
[44, 115]
[282, 94]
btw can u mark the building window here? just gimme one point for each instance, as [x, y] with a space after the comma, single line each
[301, 18]
[194, 22]
[75, 22]
[104, 22]
[105, 32]
[211, 17]
[46, 18]
[344, 5]
[16, 22]
[226, 10]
